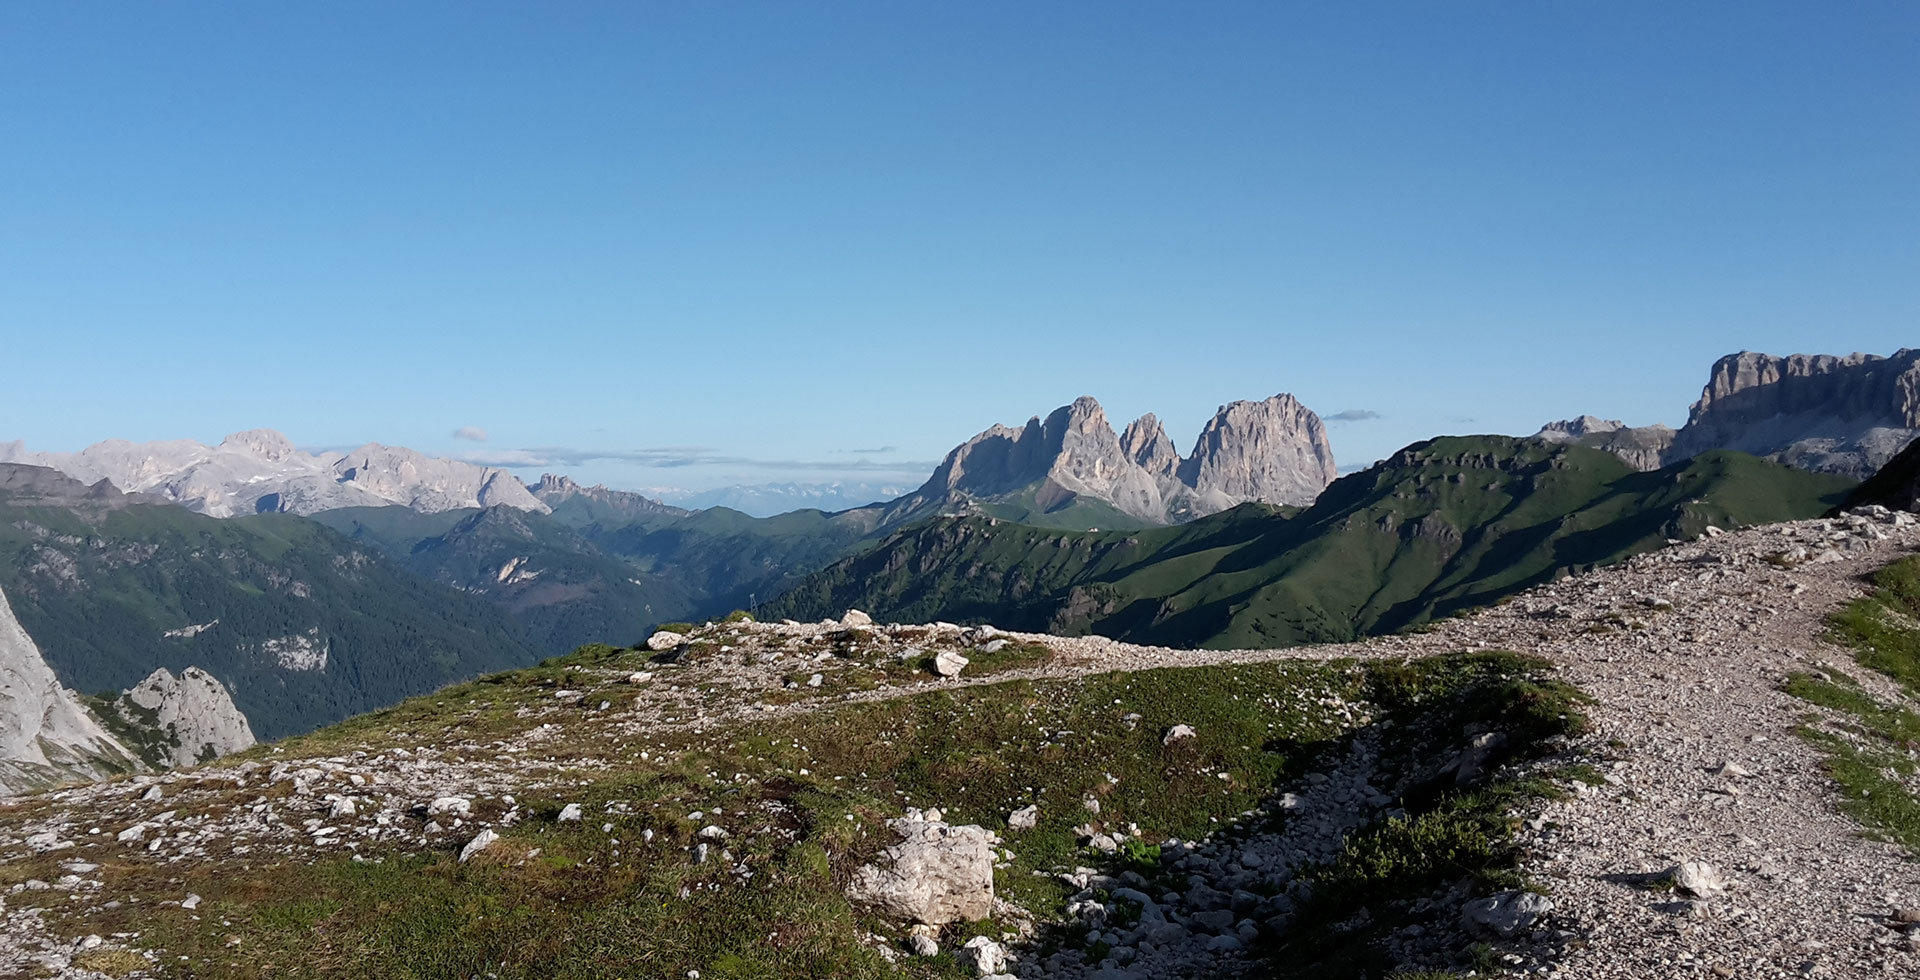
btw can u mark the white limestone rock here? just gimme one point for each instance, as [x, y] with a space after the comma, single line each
[480, 842]
[46, 736]
[197, 713]
[261, 470]
[935, 875]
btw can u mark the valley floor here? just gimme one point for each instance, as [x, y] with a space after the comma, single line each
[1687, 653]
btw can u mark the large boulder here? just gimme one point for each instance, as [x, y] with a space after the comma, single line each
[936, 874]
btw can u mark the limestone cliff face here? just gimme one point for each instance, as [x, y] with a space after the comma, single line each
[1819, 412]
[1573, 430]
[46, 736]
[196, 714]
[1848, 415]
[1274, 451]
[1146, 443]
[555, 490]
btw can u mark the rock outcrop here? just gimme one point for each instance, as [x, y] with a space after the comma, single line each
[935, 875]
[192, 714]
[1573, 430]
[1274, 451]
[261, 470]
[47, 736]
[1816, 412]
[596, 501]
[1811, 412]
[1847, 415]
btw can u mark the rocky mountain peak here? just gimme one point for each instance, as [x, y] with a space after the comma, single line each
[1274, 451]
[555, 489]
[1145, 442]
[267, 444]
[555, 484]
[1568, 430]
[196, 711]
[260, 471]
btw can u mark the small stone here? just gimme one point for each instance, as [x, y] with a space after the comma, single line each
[923, 941]
[458, 806]
[480, 842]
[1024, 818]
[1506, 914]
[985, 956]
[855, 617]
[1176, 733]
[640, 677]
[1699, 879]
[815, 680]
[948, 663]
[665, 640]
[190, 902]
[570, 813]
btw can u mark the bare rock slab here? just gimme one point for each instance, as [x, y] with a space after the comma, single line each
[936, 874]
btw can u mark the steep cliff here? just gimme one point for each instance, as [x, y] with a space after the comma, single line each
[47, 736]
[1846, 415]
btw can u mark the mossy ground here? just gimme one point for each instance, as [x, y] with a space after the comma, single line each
[1872, 742]
[803, 799]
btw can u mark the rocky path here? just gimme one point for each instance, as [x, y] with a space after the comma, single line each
[1683, 649]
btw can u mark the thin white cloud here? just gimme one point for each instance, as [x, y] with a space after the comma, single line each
[1355, 415]
[470, 433]
[675, 457]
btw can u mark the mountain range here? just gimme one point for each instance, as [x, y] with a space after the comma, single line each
[299, 623]
[312, 586]
[1072, 470]
[261, 471]
[1441, 526]
[1848, 415]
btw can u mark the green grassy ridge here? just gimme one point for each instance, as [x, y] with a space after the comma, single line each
[98, 588]
[1869, 750]
[611, 905]
[1442, 526]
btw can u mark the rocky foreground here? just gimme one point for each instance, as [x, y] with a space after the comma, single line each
[1708, 843]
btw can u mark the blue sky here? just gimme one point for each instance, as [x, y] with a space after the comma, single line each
[761, 239]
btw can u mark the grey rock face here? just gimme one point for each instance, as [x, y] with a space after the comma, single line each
[46, 736]
[1847, 415]
[553, 490]
[196, 710]
[1572, 430]
[1274, 451]
[1146, 443]
[261, 470]
[1818, 412]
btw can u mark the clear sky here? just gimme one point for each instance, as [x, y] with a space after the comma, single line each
[799, 240]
